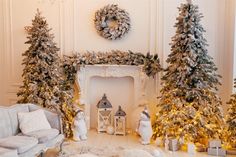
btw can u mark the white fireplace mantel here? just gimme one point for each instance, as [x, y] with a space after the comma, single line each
[86, 72]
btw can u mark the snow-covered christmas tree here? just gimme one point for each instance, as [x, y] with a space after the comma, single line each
[189, 107]
[43, 77]
[231, 119]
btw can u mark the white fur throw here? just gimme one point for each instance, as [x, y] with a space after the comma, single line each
[134, 153]
[33, 121]
[85, 155]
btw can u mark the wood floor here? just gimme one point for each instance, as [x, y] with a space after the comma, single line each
[130, 141]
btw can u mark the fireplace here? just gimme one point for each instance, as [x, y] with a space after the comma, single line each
[123, 84]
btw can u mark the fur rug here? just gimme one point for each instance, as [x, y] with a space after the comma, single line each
[75, 150]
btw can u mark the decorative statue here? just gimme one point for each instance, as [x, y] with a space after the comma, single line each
[145, 127]
[80, 128]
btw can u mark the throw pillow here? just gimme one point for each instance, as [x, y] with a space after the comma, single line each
[33, 121]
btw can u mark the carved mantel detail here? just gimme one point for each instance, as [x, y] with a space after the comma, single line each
[85, 74]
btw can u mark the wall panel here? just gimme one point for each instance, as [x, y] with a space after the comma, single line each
[1, 54]
[72, 22]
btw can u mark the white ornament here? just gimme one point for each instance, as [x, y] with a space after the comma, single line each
[145, 128]
[156, 153]
[191, 148]
[110, 130]
[80, 128]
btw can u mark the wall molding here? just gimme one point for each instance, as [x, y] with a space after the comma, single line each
[229, 43]
[152, 26]
[7, 46]
[62, 27]
[159, 40]
[157, 26]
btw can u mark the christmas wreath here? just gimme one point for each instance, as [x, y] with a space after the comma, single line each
[112, 22]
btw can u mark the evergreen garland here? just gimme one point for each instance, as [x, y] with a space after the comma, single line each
[150, 62]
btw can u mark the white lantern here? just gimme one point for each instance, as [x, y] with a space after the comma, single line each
[104, 111]
[120, 122]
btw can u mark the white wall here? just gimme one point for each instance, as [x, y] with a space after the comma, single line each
[1, 55]
[72, 23]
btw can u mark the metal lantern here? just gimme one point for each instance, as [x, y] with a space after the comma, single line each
[104, 109]
[120, 122]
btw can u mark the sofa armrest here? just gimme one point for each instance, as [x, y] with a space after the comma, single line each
[53, 118]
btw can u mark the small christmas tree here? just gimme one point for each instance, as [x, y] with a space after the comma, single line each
[231, 119]
[43, 78]
[189, 107]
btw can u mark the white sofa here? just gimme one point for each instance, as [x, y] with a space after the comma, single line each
[14, 144]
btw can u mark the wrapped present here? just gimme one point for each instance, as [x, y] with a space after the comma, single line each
[191, 148]
[216, 151]
[200, 147]
[231, 151]
[183, 147]
[159, 142]
[173, 145]
[214, 144]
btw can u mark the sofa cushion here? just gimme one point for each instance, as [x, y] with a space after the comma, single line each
[20, 143]
[44, 135]
[33, 121]
[5, 123]
[4, 152]
[13, 110]
[52, 117]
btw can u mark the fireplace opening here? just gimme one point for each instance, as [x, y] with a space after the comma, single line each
[119, 91]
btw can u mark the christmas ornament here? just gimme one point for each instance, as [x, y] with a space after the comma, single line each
[110, 130]
[191, 148]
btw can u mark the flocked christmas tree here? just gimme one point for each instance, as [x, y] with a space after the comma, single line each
[231, 119]
[44, 82]
[189, 107]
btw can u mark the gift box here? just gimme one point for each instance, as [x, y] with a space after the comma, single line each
[214, 144]
[216, 151]
[159, 142]
[231, 151]
[201, 147]
[173, 145]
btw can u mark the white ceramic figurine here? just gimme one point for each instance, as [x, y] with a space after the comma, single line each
[80, 128]
[145, 127]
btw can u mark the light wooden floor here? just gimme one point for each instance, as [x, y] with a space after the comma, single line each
[130, 141]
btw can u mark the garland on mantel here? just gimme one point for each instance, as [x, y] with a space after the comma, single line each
[150, 62]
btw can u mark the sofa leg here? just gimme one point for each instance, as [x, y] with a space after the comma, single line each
[41, 154]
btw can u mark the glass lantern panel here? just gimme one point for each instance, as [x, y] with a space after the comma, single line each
[105, 113]
[119, 125]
